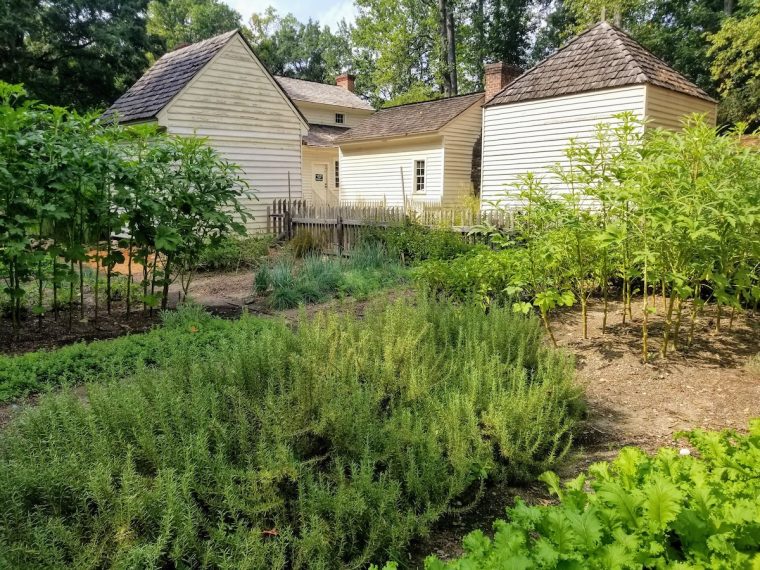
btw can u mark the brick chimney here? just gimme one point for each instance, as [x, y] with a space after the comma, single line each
[346, 80]
[497, 76]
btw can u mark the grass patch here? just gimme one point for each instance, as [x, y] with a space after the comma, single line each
[316, 278]
[187, 330]
[328, 445]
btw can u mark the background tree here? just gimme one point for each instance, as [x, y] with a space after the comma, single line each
[294, 49]
[735, 53]
[83, 53]
[177, 22]
[397, 43]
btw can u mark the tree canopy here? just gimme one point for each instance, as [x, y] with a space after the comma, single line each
[84, 53]
[178, 22]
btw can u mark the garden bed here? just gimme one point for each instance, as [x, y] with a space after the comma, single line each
[713, 386]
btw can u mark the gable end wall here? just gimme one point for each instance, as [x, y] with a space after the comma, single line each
[234, 103]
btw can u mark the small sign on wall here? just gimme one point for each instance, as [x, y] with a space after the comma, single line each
[319, 177]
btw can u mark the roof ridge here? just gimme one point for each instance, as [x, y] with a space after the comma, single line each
[562, 48]
[199, 43]
[459, 96]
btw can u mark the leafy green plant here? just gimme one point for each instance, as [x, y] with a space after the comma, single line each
[68, 182]
[668, 511]
[233, 253]
[331, 444]
[668, 214]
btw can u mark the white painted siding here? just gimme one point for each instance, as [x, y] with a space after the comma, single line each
[459, 137]
[373, 172]
[327, 156]
[531, 136]
[665, 108]
[325, 114]
[234, 103]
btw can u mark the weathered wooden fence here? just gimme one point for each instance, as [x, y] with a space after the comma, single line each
[340, 227]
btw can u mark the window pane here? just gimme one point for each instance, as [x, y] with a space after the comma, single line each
[339, 118]
[419, 175]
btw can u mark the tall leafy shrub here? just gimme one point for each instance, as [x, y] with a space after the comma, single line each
[69, 182]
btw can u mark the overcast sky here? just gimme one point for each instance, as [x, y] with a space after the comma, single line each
[328, 12]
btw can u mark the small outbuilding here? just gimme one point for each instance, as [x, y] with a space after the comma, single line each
[420, 152]
[528, 123]
[330, 110]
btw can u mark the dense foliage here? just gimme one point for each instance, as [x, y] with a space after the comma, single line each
[325, 446]
[735, 53]
[87, 53]
[666, 511]
[233, 253]
[676, 214]
[69, 183]
[81, 52]
[412, 242]
[187, 329]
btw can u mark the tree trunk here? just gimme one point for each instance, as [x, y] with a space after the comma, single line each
[443, 6]
[480, 31]
[451, 53]
[167, 281]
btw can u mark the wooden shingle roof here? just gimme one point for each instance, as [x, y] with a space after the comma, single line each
[411, 119]
[602, 57]
[158, 86]
[312, 92]
[323, 135]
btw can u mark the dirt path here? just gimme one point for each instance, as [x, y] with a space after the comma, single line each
[705, 386]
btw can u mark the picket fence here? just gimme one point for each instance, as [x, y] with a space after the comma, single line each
[339, 227]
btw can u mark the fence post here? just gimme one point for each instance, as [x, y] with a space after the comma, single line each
[339, 232]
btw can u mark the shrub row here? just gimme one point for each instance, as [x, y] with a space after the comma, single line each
[330, 445]
[666, 511]
[676, 214]
[412, 242]
[233, 253]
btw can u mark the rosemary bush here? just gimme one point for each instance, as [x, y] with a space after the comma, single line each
[327, 445]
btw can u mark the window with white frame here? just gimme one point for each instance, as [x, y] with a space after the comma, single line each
[419, 175]
[337, 174]
[339, 118]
